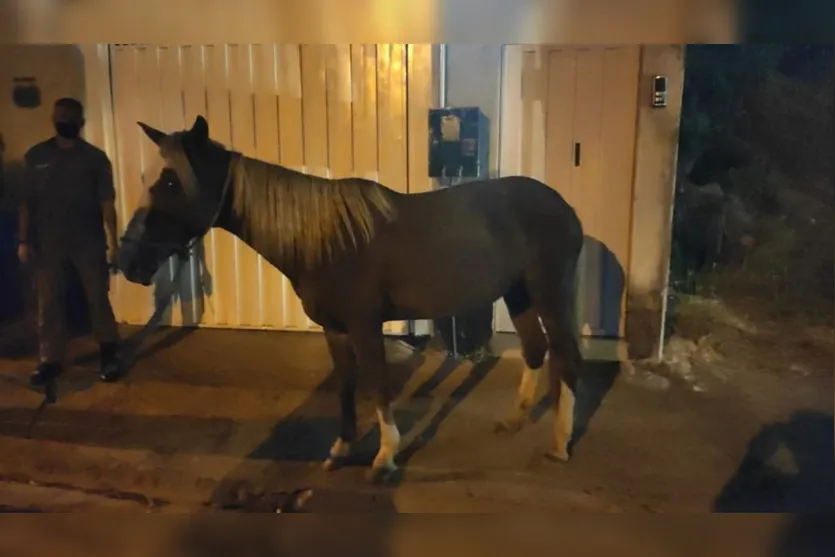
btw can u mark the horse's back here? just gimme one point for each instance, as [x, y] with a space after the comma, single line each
[514, 213]
[507, 201]
[536, 206]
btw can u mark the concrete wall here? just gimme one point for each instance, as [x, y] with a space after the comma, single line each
[58, 71]
[655, 169]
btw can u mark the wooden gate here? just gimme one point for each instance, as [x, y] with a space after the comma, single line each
[577, 111]
[330, 110]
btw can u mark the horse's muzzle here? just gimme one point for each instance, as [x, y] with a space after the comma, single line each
[131, 266]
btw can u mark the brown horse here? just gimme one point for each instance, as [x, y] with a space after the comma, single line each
[359, 254]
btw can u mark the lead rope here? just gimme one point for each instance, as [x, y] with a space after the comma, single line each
[153, 323]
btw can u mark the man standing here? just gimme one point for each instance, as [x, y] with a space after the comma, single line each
[68, 218]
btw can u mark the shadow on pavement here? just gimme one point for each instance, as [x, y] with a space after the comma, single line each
[304, 438]
[307, 434]
[592, 387]
[788, 468]
[807, 535]
[408, 418]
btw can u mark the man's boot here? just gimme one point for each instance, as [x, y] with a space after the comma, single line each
[111, 368]
[45, 374]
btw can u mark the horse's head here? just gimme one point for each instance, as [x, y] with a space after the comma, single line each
[181, 205]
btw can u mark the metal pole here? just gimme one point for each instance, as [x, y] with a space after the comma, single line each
[454, 339]
[446, 182]
[452, 182]
[442, 75]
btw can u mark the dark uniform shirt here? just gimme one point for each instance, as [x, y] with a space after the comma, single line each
[64, 190]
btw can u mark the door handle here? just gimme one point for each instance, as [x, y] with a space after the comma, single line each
[576, 154]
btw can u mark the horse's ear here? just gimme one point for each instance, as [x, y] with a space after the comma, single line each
[200, 129]
[153, 134]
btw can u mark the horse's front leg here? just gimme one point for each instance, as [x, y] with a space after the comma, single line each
[345, 367]
[371, 358]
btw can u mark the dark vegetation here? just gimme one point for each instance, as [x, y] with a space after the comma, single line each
[754, 195]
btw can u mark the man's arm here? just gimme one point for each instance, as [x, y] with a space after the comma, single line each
[2, 170]
[24, 251]
[107, 198]
[23, 207]
[108, 208]
[23, 222]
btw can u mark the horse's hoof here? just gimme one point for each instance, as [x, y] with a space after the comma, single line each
[381, 475]
[338, 455]
[333, 463]
[558, 456]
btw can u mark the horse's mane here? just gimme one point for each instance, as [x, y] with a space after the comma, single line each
[296, 215]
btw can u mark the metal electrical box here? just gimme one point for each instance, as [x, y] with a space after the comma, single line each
[459, 143]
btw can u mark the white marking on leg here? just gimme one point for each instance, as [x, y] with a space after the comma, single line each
[340, 449]
[564, 424]
[527, 387]
[389, 440]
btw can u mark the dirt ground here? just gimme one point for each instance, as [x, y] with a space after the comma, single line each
[738, 418]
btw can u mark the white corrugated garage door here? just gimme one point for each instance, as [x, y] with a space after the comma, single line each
[331, 110]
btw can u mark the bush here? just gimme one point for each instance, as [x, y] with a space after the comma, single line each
[763, 128]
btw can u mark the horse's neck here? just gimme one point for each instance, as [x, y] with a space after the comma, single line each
[237, 226]
[288, 268]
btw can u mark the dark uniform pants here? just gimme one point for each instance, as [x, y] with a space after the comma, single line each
[91, 266]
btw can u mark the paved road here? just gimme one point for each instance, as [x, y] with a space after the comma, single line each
[215, 415]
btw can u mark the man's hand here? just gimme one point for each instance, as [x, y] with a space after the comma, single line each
[112, 255]
[23, 253]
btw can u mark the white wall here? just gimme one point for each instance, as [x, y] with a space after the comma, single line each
[59, 72]
[473, 78]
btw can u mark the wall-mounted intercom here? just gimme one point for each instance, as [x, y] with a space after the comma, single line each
[459, 143]
[659, 91]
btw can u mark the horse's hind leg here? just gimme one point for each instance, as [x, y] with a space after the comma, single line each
[345, 367]
[553, 294]
[534, 347]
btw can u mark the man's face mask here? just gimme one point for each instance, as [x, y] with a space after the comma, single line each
[68, 129]
[67, 122]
